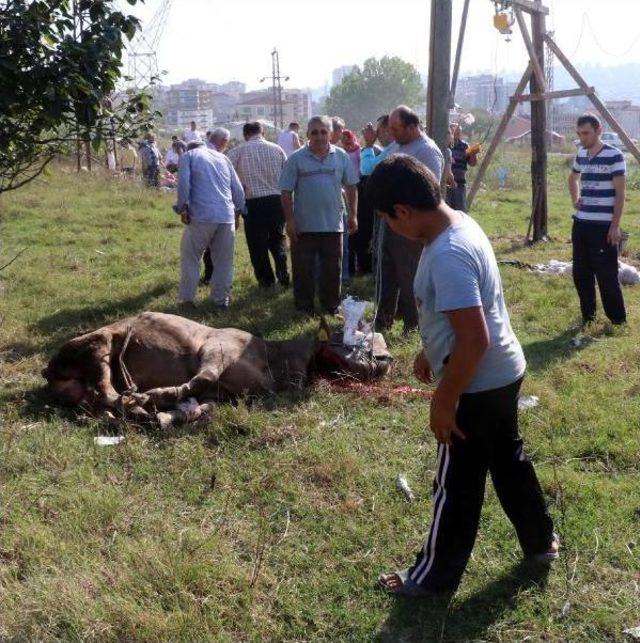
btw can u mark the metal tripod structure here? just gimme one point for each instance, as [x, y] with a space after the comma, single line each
[142, 52]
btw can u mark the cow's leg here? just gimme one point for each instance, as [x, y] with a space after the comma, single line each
[107, 396]
[203, 384]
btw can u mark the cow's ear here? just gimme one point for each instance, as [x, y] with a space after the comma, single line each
[324, 332]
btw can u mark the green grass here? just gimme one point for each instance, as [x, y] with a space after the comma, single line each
[273, 521]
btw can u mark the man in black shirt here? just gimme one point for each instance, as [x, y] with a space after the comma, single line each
[462, 155]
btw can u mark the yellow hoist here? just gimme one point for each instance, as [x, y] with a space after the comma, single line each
[503, 19]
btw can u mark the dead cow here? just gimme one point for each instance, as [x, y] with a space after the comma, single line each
[155, 362]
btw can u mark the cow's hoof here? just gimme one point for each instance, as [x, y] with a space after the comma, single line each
[110, 421]
[165, 420]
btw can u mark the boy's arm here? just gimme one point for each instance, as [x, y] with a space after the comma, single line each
[471, 343]
[574, 189]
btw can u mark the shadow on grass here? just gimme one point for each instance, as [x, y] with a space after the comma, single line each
[542, 353]
[440, 619]
[63, 324]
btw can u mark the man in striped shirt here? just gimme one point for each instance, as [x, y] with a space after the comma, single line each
[597, 188]
[259, 164]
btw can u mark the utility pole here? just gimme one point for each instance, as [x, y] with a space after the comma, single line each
[539, 136]
[438, 83]
[276, 85]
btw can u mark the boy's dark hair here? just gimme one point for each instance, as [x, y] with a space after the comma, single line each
[383, 120]
[402, 180]
[251, 129]
[589, 119]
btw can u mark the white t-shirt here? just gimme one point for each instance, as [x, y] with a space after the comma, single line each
[191, 135]
[459, 270]
[172, 158]
[286, 141]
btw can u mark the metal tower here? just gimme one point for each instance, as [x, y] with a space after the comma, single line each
[276, 78]
[142, 53]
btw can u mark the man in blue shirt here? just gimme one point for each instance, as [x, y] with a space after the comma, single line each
[208, 193]
[470, 348]
[400, 255]
[315, 176]
[597, 188]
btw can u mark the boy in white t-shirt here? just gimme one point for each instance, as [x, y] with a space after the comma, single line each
[471, 350]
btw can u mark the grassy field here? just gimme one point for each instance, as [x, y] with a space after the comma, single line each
[273, 521]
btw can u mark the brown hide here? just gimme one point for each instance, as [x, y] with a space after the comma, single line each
[170, 359]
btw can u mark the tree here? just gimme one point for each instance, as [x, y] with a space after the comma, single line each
[377, 88]
[60, 62]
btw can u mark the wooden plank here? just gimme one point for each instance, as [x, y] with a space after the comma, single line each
[537, 68]
[486, 159]
[456, 65]
[530, 7]
[599, 105]
[561, 93]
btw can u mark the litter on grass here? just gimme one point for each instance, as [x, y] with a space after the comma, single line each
[627, 275]
[528, 402]
[108, 440]
[356, 332]
[403, 486]
[633, 632]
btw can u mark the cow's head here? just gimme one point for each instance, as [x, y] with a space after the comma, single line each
[67, 375]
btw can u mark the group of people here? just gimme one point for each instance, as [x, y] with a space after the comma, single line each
[434, 267]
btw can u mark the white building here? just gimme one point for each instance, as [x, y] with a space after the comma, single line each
[203, 117]
[339, 73]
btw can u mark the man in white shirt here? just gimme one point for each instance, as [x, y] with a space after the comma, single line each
[192, 134]
[289, 140]
[259, 165]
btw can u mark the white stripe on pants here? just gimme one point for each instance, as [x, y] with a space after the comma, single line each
[219, 238]
[419, 573]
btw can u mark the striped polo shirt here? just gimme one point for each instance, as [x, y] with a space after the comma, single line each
[597, 192]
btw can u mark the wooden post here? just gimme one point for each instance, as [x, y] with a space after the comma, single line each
[539, 137]
[456, 64]
[438, 88]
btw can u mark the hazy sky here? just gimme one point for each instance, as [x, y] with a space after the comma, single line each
[221, 40]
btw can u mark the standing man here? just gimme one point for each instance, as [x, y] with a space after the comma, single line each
[316, 175]
[150, 160]
[597, 188]
[469, 347]
[218, 140]
[462, 156]
[191, 134]
[259, 165]
[400, 256]
[289, 140]
[208, 193]
[337, 127]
